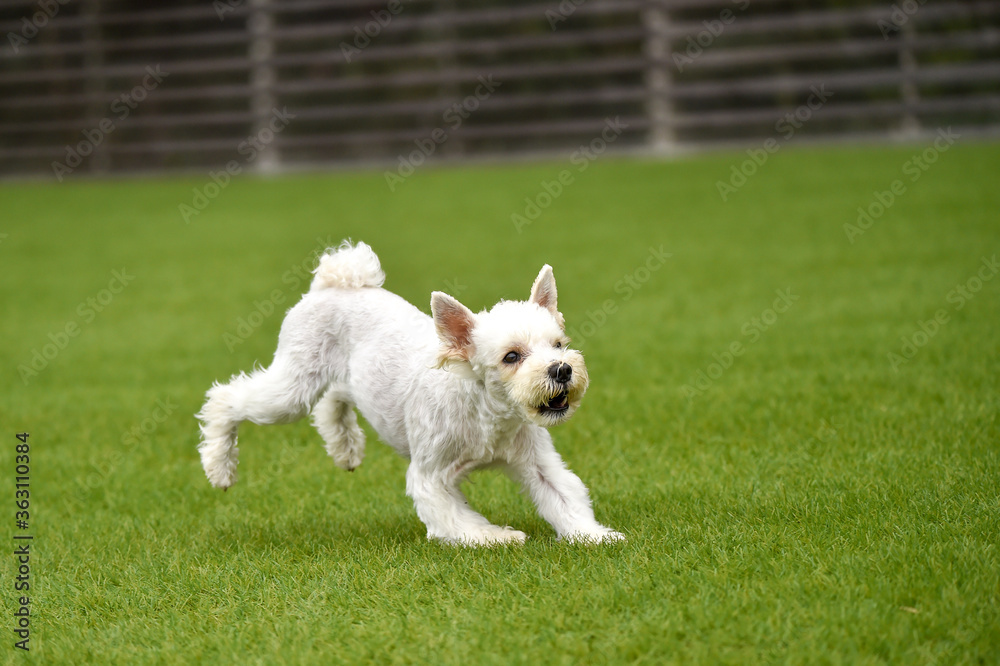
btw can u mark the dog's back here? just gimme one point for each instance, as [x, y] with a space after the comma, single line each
[372, 343]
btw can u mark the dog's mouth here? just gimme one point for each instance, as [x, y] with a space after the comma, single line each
[558, 404]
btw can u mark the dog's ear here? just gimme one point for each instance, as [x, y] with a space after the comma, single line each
[543, 293]
[454, 323]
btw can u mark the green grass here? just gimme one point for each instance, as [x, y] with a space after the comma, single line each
[811, 505]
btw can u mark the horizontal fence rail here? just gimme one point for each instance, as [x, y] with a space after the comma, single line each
[116, 86]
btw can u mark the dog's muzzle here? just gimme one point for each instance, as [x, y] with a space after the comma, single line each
[560, 374]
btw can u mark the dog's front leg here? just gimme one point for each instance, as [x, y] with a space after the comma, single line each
[560, 496]
[443, 508]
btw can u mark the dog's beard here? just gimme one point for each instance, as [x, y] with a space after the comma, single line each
[544, 401]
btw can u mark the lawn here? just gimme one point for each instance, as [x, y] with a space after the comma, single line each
[794, 421]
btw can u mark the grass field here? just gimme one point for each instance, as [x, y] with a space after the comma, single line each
[791, 492]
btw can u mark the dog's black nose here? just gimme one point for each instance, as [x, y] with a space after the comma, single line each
[561, 372]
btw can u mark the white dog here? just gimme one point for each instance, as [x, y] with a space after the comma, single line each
[453, 393]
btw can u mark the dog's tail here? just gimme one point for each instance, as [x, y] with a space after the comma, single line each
[348, 267]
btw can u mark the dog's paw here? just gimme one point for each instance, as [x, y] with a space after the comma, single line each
[603, 535]
[348, 450]
[613, 536]
[220, 469]
[349, 459]
[506, 535]
[490, 536]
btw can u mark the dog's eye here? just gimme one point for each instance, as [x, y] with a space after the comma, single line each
[511, 358]
[558, 345]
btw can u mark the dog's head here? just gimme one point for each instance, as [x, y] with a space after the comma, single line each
[518, 349]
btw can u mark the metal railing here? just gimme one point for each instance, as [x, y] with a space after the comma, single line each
[90, 86]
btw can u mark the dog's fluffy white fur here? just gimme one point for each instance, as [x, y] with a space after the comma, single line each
[453, 393]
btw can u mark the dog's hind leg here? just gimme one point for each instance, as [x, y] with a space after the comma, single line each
[335, 419]
[282, 393]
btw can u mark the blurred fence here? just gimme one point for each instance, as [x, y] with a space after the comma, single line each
[127, 85]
